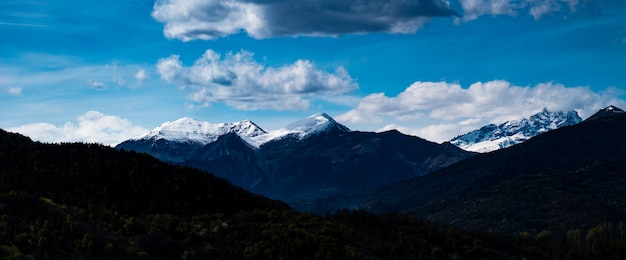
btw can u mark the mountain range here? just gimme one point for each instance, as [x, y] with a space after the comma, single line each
[89, 201]
[493, 137]
[309, 158]
[560, 180]
[559, 195]
[316, 157]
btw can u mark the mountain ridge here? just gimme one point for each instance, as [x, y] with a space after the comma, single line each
[493, 137]
[606, 112]
[310, 157]
[524, 184]
[192, 130]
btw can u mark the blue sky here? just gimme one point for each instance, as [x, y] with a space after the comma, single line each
[105, 71]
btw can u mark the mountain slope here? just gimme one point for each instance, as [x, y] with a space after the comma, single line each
[229, 157]
[606, 112]
[336, 163]
[493, 137]
[569, 177]
[127, 181]
[310, 158]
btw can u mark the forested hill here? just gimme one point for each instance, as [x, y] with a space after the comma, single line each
[88, 201]
[93, 175]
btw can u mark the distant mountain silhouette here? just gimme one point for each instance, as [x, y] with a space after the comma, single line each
[571, 177]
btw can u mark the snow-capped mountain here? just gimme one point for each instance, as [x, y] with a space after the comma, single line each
[311, 157]
[191, 130]
[187, 130]
[175, 141]
[315, 124]
[493, 137]
[303, 128]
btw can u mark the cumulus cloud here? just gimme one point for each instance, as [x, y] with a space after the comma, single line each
[240, 82]
[452, 110]
[91, 127]
[141, 75]
[210, 19]
[472, 9]
[15, 91]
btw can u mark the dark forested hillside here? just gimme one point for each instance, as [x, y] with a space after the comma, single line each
[572, 177]
[81, 201]
[90, 174]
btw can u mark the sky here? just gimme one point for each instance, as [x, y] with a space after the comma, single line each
[106, 71]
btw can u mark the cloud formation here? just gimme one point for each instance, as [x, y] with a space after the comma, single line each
[240, 82]
[91, 127]
[452, 110]
[472, 9]
[209, 19]
[15, 91]
[141, 75]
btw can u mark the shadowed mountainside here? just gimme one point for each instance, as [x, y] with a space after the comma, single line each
[572, 177]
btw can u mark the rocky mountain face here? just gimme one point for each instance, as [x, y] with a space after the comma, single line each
[310, 158]
[493, 137]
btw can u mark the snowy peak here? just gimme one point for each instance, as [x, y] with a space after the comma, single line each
[606, 112]
[315, 124]
[194, 131]
[246, 128]
[188, 130]
[493, 137]
[301, 129]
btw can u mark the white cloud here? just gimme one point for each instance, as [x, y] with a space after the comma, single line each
[91, 127]
[209, 19]
[240, 82]
[472, 9]
[141, 75]
[545, 7]
[15, 91]
[439, 111]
